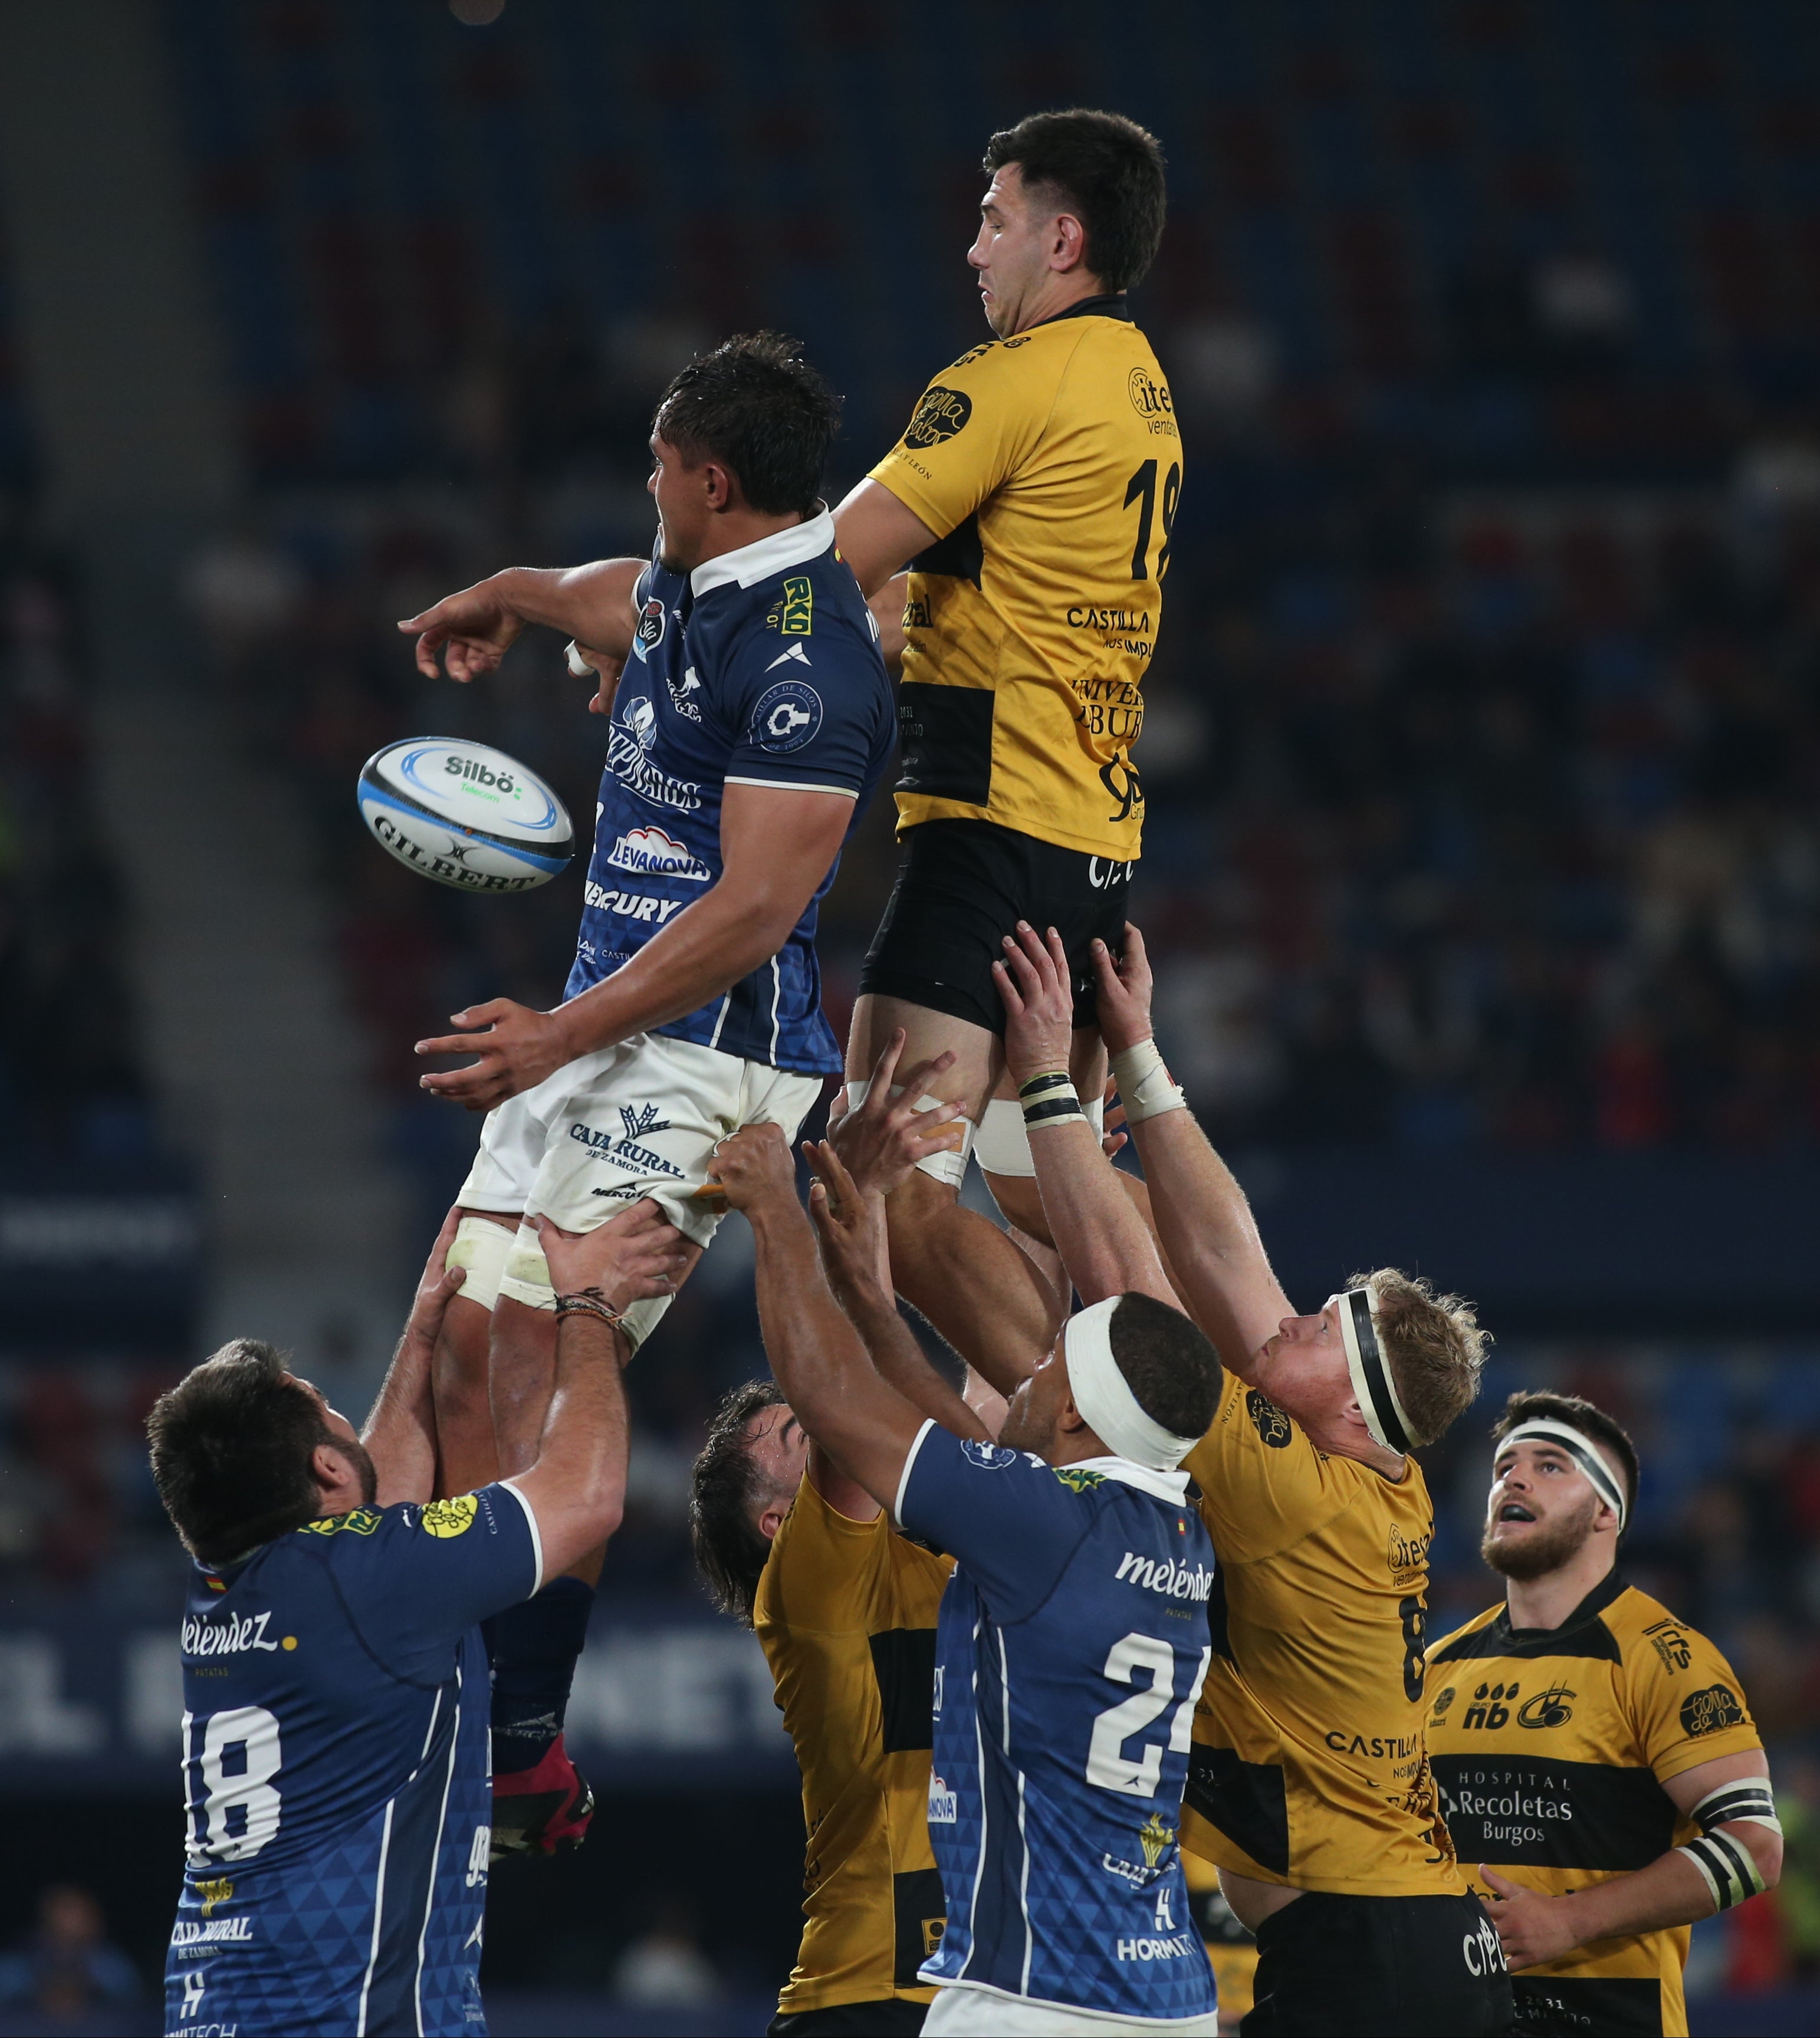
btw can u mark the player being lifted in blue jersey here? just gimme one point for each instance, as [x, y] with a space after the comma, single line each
[750, 720]
[1073, 1638]
[334, 1737]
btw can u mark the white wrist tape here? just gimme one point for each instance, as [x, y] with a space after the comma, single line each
[481, 1246]
[1146, 1088]
[1726, 1867]
[577, 665]
[1004, 1146]
[1049, 1100]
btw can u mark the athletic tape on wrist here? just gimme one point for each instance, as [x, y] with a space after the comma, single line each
[1104, 1396]
[1146, 1088]
[1728, 1867]
[1371, 1382]
[949, 1167]
[1579, 1446]
[527, 1276]
[1004, 1146]
[577, 664]
[482, 1247]
[1048, 1100]
[1749, 1801]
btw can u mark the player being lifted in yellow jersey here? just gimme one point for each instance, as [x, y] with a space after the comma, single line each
[1599, 1771]
[1309, 1785]
[1032, 497]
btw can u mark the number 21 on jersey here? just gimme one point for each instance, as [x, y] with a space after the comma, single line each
[232, 1814]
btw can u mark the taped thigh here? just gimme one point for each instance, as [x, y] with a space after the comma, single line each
[950, 1167]
[526, 1274]
[482, 1247]
[1003, 1146]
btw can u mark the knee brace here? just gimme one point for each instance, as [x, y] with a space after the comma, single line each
[1003, 1146]
[481, 1246]
[526, 1276]
[950, 1167]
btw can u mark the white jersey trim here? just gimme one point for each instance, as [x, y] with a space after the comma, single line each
[1170, 1486]
[795, 545]
[1200, 2020]
[536, 1536]
[795, 785]
[910, 1459]
[436, 1850]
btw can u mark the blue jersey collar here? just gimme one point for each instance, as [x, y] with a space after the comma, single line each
[793, 546]
[1170, 1486]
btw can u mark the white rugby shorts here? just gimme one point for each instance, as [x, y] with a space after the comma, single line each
[965, 2010]
[640, 1118]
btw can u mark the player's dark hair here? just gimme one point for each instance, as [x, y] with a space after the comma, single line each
[726, 1483]
[1108, 171]
[231, 1449]
[1168, 1365]
[1577, 1414]
[754, 404]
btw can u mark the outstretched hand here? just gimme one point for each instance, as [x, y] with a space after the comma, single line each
[880, 1141]
[636, 1254]
[518, 1046]
[1124, 987]
[849, 1227]
[437, 1285]
[473, 630]
[1036, 986]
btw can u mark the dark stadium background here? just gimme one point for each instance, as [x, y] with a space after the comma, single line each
[1483, 857]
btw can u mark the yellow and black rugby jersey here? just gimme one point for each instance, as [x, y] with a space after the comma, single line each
[1551, 1746]
[1050, 466]
[846, 1613]
[1309, 1767]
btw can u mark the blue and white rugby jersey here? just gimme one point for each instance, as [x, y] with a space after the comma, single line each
[762, 668]
[335, 1773]
[1069, 1651]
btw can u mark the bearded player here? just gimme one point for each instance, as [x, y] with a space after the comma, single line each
[1032, 497]
[1591, 1746]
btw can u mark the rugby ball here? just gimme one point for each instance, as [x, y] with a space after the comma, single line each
[468, 816]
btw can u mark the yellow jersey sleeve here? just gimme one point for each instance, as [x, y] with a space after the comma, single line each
[974, 427]
[1686, 1703]
[1266, 1485]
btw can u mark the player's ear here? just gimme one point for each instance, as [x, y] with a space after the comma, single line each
[1067, 243]
[722, 490]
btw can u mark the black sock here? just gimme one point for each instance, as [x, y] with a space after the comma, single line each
[534, 1647]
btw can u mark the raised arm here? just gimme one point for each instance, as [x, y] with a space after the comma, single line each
[577, 1487]
[473, 630]
[1202, 1215]
[776, 845]
[1106, 1246]
[878, 537]
[400, 1431]
[864, 1425]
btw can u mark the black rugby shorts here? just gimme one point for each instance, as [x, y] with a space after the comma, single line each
[962, 886]
[893, 2017]
[1380, 1967]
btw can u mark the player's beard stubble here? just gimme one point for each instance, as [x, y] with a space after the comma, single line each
[1552, 1546]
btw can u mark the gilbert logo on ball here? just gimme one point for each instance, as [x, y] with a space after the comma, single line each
[468, 816]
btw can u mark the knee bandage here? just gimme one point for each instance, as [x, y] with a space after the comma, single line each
[949, 1168]
[481, 1246]
[1003, 1146]
[526, 1278]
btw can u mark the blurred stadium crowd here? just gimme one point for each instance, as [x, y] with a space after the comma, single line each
[1483, 754]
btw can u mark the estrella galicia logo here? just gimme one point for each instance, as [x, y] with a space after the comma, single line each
[787, 715]
[1271, 1424]
[1710, 1711]
[650, 633]
[1548, 1708]
[989, 1458]
[940, 416]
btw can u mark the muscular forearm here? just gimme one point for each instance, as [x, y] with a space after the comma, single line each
[593, 604]
[578, 1485]
[1671, 1891]
[726, 935]
[400, 1431]
[898, 1360]
[1104, 1244]
[1208, 1230]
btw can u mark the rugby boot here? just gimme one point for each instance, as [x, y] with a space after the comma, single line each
[541, 1810]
